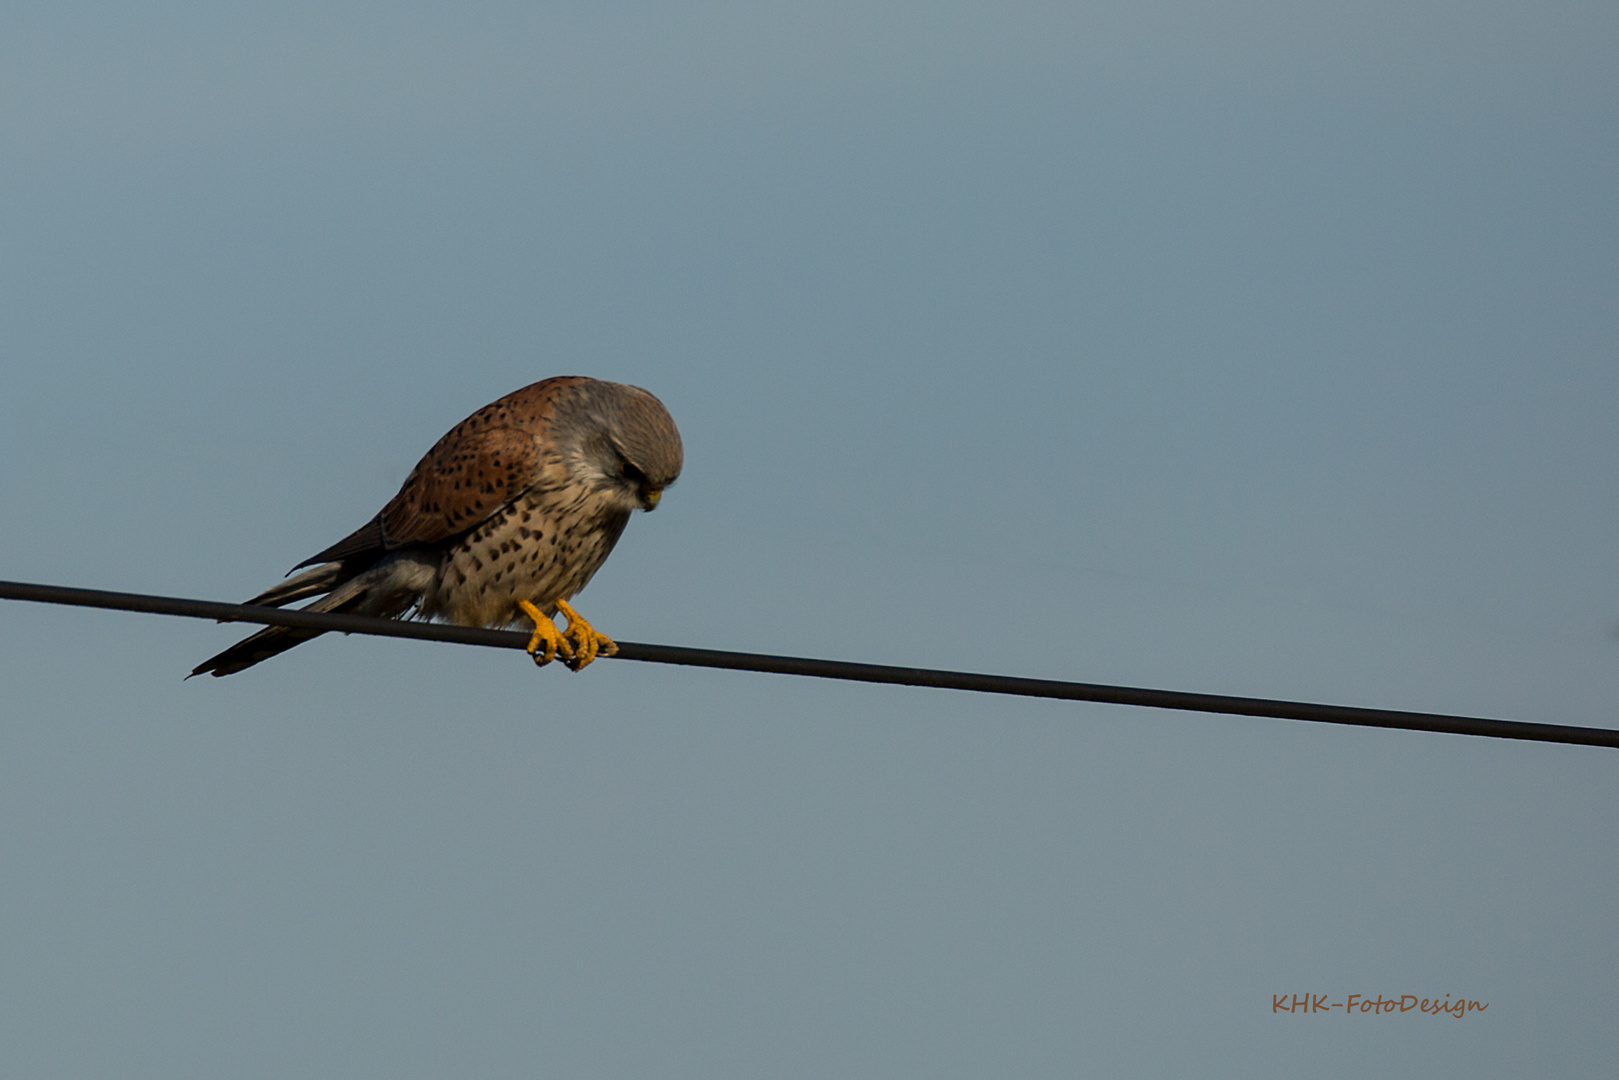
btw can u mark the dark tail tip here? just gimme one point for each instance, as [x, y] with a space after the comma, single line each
[271, 641]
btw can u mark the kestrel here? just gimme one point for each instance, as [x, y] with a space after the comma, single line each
[506, 518]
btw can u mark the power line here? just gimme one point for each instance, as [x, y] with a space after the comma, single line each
[829, 669]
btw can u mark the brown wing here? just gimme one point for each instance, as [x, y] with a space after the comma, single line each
[479, 466]
[467, 477]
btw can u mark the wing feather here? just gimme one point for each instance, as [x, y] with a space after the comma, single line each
[466, 478]
[481, 465]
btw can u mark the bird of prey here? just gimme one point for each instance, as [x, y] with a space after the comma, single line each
[506, 518]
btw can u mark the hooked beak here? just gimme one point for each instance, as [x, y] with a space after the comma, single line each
[650, 497]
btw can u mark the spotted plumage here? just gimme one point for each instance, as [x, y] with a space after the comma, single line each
[506, 517]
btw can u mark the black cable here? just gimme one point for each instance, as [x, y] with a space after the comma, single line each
[830, 669]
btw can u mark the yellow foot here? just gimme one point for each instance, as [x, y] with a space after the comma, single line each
[547, 634]
[587, 642]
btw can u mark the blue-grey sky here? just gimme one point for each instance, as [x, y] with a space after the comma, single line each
[1255, 348]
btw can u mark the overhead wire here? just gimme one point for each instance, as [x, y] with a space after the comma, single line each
[830, 669]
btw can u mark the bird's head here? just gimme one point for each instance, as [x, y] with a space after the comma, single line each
[628, 447]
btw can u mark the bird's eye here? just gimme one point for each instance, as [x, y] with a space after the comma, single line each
[631, 473]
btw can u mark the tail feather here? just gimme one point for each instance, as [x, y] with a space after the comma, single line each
[322, 579]
[274, 640]
[271, 641]
[386, 589]
[367, 593]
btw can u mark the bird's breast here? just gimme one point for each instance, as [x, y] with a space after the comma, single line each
[542, 547]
